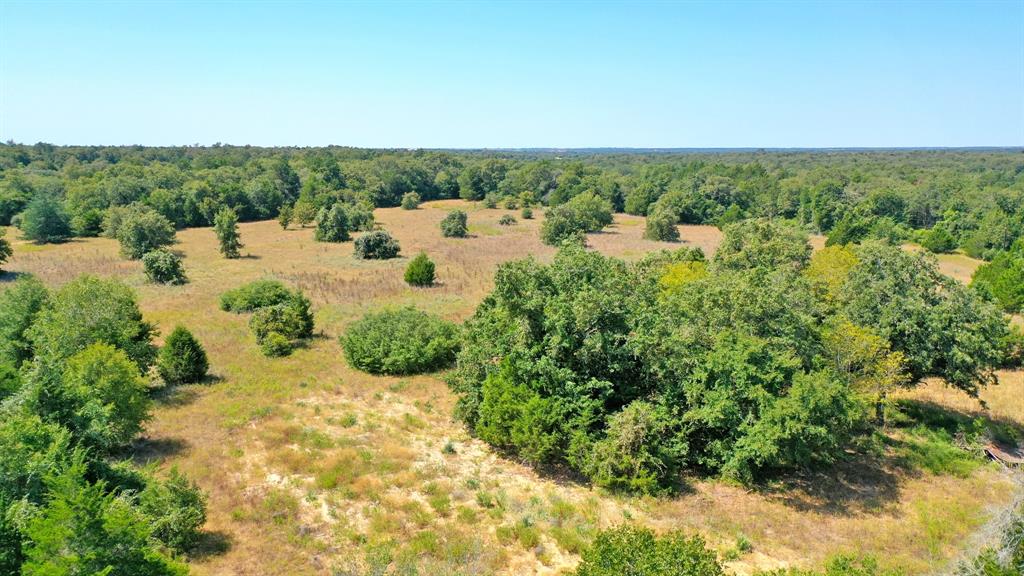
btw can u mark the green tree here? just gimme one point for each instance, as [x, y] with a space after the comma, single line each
[182, 359]
[175, 509]
[938, 240]
[89, 310]
[332, 224]
[163, 267]
[420, 271]
[661, 225]
[19, 305]
[85, 529]
[226, 227]
[45, 221]
[1003, 278]
[284, 217]
[410, 201]
[762, 243]
[142, 230]
[376, 245]
[5, 248]
[454, 225]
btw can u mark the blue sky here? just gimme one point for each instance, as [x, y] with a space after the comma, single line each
[531, 74]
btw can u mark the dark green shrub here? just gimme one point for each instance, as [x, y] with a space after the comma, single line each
[10, 381]
[938, 240]
[661, 225]
[634, 551]
[526, 213]
[163, 267]
[420, 271]
[284, 216]
[254, 295]
[225, 225]
[636, 454]
[175, 509]
[275, 345]
[454, 225]
[491, 201]
[506, 220]
[403, 341]
[584, 213]
[332, 224]
[291, 319]
[45, 221]
[182, 359]
[376, 245]
[410, 201]
[1003, 278]
[5, 248]
[19, 306]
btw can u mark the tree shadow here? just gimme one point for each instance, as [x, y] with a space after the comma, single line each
[10, 276]
[250, 257]
[147, 451]
[211, 543]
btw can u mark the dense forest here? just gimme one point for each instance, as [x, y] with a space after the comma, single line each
[763, 358]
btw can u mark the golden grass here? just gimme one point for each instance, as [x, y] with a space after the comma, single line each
[313, 467]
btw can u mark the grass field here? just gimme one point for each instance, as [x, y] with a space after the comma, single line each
[314, 468]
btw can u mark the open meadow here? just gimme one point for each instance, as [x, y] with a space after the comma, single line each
[314, 468]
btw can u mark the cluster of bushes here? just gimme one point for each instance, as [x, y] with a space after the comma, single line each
[281, 316]
[586, 212]
[402, 341]
[72, 398]
[764, 359]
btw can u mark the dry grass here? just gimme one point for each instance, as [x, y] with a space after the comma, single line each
[314, 468]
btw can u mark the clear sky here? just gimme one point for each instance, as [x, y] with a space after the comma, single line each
[528, 74]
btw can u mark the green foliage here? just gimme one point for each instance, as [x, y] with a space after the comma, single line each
[225, 226]
[943, 329]
[584, 213]
[20, 303]
[45, 221]
[254, 295]
[760, 243]
[101, 398]
[175, 510]
[285, 216]
[402, 341]
[139, 229]
[661, 225]
[454, 225]
[376, 245]
[332, 225]
[89, 310]
[275, 345]
[640, 452]
[1003, 279]
[5, 248]
[939, 240]
[182, 359]
[507, 220]
[291, 319]
[10, 381]
[633, 551]
[163, 267]
[85, 529]
[842, 565]
[410, 201]
[420, 271]
[526, 213]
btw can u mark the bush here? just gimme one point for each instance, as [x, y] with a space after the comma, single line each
[139, 229]
[506, 220]
[526, 213]
[376, 245]
[845, 565]
[762, 243]
[254, 295]
[403, 341]
[410, 201]
[420, 271]
[45, 221]
[584, 213]
[938, 240]
[275, 345]
[634, 551]
[163, 267]
[284, 216]
[182, 359]
[5, 248]
[89, 310]
[636, 454]
[291, 319]
[332, 224]
[454, 225]
[661, 225]
[225, 225]
[1003, 279]
[175, 509]
[360, 217]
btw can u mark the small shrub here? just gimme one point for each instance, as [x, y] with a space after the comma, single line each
[225, 225]
[360, 217]
[163, 267]
[491, 201]
[275, 345]
[254, 295]
[291, 319]
[5, 248]
[507, 220]
[284, 216]
[410, 201]
[938, 240]
[182, 360]
[332, 225]
[376, 245]
[661, 225]
[630, 550]
[403, 341]
[420, 271]
[511, 203]
[526, 213]
[176, 509]
[454, 225]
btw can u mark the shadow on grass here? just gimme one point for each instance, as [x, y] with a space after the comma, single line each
[6, 276]
[155, 450]
[174, 396]
[211, 543]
